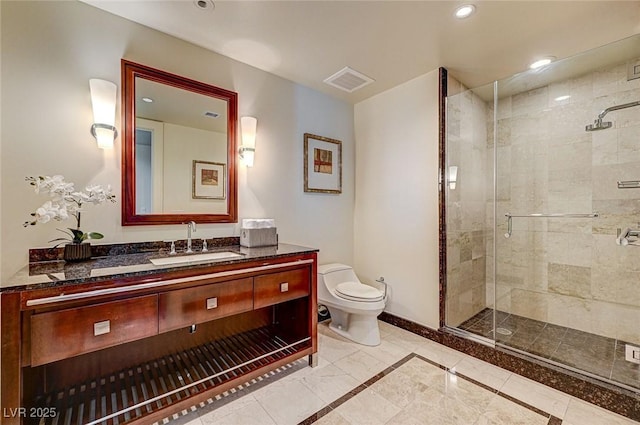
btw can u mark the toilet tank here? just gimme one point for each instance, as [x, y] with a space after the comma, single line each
[333, 274]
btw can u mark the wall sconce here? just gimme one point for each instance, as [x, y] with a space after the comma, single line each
[248, 148]
[103, 100]
[453, 176]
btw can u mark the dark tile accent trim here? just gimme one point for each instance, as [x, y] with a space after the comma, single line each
[523, 404]
[607, 396]
[442, 202]
[320, 413]
[431, 362]
[473, 381]
[327, 409]
[554, 421]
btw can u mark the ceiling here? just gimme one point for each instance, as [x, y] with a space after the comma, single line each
[181, 107]
[389, 41]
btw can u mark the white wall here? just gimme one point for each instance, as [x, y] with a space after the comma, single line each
[49, 52]
[396, 211]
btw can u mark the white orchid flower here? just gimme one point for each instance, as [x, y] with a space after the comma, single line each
[46, 212]
[66, 201]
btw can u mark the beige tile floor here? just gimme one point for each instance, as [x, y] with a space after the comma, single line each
[417, 391]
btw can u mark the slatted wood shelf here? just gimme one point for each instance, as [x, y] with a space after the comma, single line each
[138, 391]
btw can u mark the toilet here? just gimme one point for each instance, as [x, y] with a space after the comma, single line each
[353, 305]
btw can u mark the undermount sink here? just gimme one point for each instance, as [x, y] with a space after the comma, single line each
[195, 258]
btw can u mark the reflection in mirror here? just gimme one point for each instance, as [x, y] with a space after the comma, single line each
[179, 149]
[175, 127]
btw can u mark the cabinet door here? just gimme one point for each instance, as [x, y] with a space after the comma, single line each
[274, 288]
[190, 306]
[66, 333]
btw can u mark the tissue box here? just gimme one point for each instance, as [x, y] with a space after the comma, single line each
[258, 223]
[258, 237]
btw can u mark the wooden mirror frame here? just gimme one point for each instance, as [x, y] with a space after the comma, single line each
[130, 71]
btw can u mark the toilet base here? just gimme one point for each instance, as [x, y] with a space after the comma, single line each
[360, 328]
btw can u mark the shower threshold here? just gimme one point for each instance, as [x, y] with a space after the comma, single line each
[595, 354]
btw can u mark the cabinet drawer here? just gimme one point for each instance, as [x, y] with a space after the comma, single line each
[275, 288]
[189, 306]
[66, 333]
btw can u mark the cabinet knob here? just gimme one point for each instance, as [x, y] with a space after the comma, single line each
[101, 328]
[212, 303]
[284, 286]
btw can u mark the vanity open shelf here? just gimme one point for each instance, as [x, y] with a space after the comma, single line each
[138, 349]
[140, 390]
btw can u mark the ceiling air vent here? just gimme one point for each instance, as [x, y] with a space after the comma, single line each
[348, 80]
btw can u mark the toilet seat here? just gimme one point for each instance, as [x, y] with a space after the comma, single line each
[356, 291]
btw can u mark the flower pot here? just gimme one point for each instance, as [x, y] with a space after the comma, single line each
[77, 252]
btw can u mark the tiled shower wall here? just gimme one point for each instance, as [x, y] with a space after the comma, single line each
[466, 230]
[569, 271]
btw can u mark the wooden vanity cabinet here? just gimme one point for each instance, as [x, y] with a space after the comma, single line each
[61, 334]
[192, 306]
[275, 288]
[140, 349]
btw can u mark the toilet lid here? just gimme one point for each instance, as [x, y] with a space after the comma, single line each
[357, 291]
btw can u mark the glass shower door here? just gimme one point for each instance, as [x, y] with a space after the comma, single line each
[469, 212]
[543, 221]
[565, 290]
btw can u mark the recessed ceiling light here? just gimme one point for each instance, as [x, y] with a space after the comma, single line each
[561, 98]
[147, 99]
[204, 4]
[465, 11]
[542, 62]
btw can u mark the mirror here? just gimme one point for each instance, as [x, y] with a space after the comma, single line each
[179, 150]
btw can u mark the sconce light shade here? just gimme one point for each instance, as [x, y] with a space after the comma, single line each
[248, 148]
[103, 100]
[453, 176]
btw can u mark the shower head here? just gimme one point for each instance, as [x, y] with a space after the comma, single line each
[598, 125]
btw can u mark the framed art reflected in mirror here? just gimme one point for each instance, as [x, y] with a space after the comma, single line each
[208, 180]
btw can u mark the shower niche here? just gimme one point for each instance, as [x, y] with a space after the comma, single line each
[541, 227]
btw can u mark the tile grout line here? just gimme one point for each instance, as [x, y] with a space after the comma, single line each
[352, 393]
[346, 397]
[617, 399]
[490, 389]
[549, 355]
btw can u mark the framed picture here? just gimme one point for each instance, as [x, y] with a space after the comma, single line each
[209, 180]
[322, 164]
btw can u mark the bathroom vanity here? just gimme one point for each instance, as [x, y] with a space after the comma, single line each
[119, 339]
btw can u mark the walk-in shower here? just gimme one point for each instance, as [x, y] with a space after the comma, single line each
[598, 124]
[542, 242]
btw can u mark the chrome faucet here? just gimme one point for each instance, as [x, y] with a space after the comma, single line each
[190, 226]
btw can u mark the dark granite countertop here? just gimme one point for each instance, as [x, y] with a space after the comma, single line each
[47, 269]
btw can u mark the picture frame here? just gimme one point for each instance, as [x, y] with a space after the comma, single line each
[209, 180]
[322, 164]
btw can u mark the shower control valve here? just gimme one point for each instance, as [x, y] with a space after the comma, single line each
[627, 235]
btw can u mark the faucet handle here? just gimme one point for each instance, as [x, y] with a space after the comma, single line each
[204, 245]
[173, 247]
